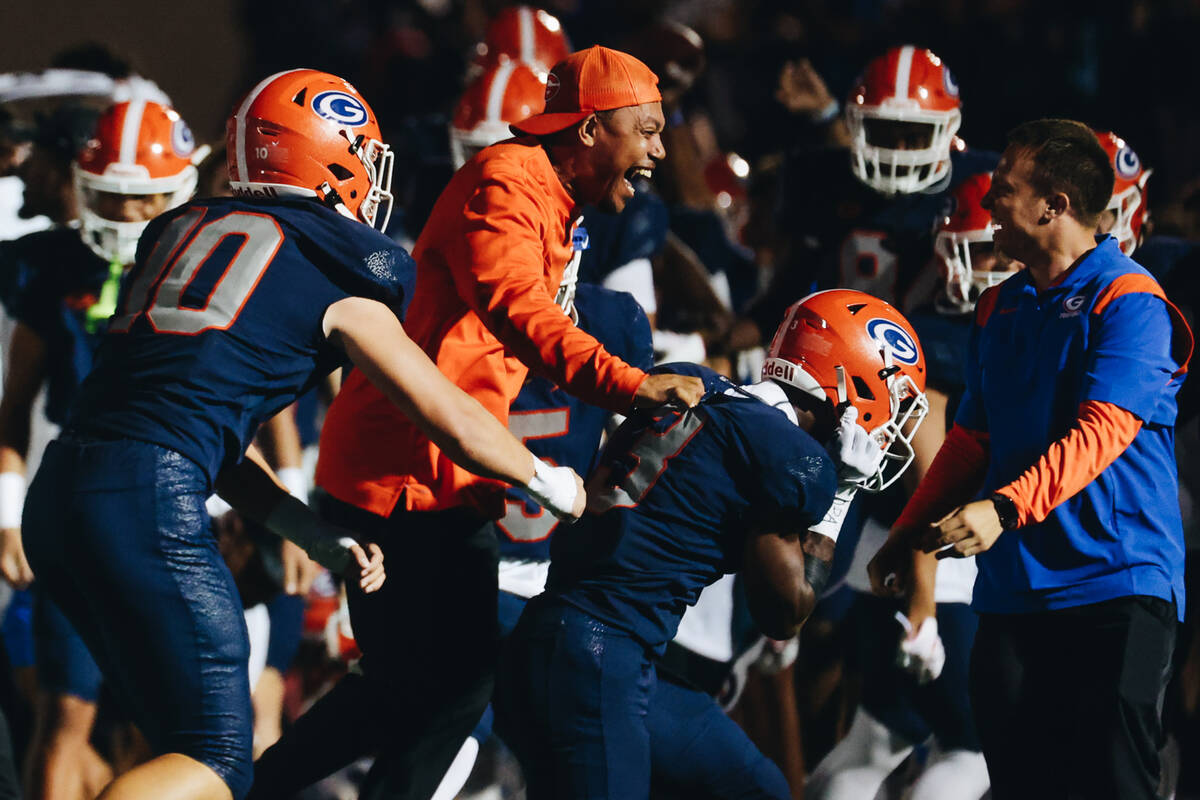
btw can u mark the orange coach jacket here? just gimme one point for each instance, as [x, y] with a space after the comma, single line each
[489, 263]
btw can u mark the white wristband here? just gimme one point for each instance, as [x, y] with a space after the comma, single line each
[295, 522]
[12, 499]
[831, 525]
[295, 481]
[553, 487]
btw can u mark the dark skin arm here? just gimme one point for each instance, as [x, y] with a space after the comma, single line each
[785, 575]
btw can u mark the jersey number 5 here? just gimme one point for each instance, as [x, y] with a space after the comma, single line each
[518, 524]
[255, 240]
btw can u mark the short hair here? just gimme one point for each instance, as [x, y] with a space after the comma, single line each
[1067, 158]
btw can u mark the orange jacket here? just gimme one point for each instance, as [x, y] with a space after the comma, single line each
[489, 263]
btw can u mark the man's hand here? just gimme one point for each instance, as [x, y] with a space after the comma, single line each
[970, 529]
[299, 571]
[855, 451]
[664, 388]
[13, 565]
[891, 570]
[801, 89]
[370, 574]
[559, 490]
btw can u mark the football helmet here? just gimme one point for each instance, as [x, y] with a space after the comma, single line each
[1128, 203]
[139, 147]
[902, 115]
[507, 91]
[526, 34]
[967, 224]
[851, 348]
[310, 134]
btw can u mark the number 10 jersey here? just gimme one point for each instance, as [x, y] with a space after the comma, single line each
[219, 323]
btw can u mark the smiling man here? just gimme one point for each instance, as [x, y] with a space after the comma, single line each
[496, 269]
[1066, 429]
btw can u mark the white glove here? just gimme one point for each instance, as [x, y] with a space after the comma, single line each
[554, 488]
[855, 451]
[921, 652]
[857, 456]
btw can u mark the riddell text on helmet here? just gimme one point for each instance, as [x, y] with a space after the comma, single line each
[778, 369]
[255, 191]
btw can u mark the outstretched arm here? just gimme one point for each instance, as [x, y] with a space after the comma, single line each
[464, 430]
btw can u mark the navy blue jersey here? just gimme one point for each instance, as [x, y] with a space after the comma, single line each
[943, 339]
[562, 428]
[673, 499]
[844, 234]
[21, 259]
[219, 322]
[65, 280]
[639, 231]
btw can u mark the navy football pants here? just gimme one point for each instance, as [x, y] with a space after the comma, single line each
[117, 534]
[580, 704]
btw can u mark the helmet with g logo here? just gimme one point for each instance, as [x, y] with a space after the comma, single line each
[1128, 203]
[850, 348]
[309, 133]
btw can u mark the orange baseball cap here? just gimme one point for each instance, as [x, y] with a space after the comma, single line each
[595, 79]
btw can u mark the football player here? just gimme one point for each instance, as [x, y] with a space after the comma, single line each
[522, 33]
[868, 224]
[139, 162]
[1127, 212]
[681, 497]
[914, 657]
[233, 308]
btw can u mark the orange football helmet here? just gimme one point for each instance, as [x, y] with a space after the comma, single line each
[1128, 203]
[523, 33]
[850, 348]
[902, 115]
[968, 224]
[309, 133]
[139, 148]
[507, 91]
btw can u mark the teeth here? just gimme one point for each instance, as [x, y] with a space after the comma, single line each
[642, 172]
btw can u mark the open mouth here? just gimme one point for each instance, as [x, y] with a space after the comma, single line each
[634, 173]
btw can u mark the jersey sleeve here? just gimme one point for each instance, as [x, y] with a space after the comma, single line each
[1137, 351]
[795, 478]
[1097, 439]
[499, 272]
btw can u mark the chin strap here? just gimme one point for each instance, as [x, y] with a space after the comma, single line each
[330, 197]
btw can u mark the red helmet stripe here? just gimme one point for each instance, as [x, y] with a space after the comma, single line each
[239, 117]
[904, 70]
[526, 34]
[131, 129]
[495, 97]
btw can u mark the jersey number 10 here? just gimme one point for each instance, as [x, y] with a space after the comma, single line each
[160, 297]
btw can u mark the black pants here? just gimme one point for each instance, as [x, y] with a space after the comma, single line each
[1069, 702]
[429, 639]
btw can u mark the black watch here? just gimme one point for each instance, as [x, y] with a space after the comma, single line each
[1006, 509]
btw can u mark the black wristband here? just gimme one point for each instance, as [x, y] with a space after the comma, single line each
[817, 572]
[1006, 509]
